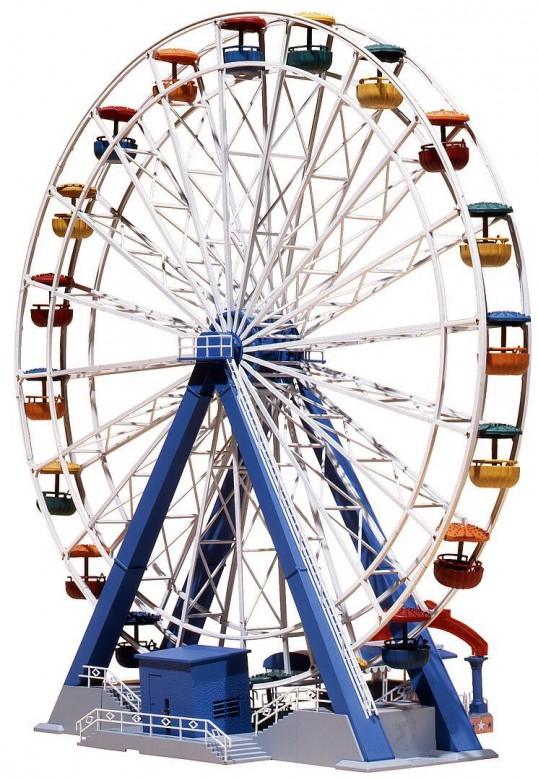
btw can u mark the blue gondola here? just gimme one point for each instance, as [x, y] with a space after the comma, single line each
[101, 144]
[313, 59]
[386, 52]
[60, 504]
[115, 114]
[243, 54]
[406, 653]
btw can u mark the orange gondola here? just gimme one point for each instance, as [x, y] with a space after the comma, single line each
[38, 407]
[186, 93]
[94, 583]
[507, 361]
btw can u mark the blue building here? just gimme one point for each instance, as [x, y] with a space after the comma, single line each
[196, 681]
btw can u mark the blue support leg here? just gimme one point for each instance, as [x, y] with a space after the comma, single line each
[105, 626]
[478, 705]
[368, 731]
[337, 468]
[432, 683]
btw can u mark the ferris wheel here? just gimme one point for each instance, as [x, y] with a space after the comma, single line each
[259, 350]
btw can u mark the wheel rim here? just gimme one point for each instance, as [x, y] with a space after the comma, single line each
[255, 297]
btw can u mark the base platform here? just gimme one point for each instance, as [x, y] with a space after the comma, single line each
[319, 738]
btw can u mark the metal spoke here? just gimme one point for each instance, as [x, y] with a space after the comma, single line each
[100, 230]
[186, 184]
[269, 131]
[321, 342]
[361, 389]
[109, 304]
[333, 225]
[354, 284]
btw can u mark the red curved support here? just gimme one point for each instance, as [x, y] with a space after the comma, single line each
[445, 622]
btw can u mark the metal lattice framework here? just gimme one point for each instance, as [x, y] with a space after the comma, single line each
[276, 208]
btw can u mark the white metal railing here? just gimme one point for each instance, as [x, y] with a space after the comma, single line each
[286, 700]
[152, 725]
[403, 692]
[108, 681]
[355, 674]
[187, 348]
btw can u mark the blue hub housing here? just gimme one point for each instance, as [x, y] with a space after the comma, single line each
[214, 345]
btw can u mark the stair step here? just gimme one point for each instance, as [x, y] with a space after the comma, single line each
[245, 754]
[117, 702]
[243, 742]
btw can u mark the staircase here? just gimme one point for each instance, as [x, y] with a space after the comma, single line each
[243, 750]
[119, 701]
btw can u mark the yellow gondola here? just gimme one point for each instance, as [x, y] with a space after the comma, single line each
[500, 474]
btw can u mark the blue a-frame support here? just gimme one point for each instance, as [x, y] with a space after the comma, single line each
[368, 730]
[106, 623]
[108, 618]
[432, 683]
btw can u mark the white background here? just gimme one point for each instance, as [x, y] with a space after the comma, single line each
[56, 57]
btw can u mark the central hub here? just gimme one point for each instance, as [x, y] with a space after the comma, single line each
[271, 346]
[211, 346]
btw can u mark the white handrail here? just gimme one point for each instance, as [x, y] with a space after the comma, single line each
[125, 694]
[359, 683]
[152, 725]
[403, 692]
[293, 697]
